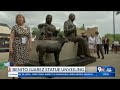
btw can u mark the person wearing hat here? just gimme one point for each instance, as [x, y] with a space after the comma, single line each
[83, 34]
[98, 44]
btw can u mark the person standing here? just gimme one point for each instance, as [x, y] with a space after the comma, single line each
[20, 42]
[91, 41]
[115, 46]
[98, 44]
[106, 44]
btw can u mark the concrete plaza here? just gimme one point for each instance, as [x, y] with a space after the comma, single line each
[111, 59]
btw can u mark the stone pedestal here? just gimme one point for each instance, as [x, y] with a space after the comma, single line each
[69, 51]
[68, 56]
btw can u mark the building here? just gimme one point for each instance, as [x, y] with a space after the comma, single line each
[88, 31]
[4, 35]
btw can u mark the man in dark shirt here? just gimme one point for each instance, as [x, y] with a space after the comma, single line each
[106, 44]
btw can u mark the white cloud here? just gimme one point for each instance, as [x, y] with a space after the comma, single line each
[3, 14]
[102, 19]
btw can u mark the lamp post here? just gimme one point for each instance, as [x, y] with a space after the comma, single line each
[113, 26]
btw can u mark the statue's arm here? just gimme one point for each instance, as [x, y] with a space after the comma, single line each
[53, 28]
[54, 31]
[76, 32]
[41, 25]
[68, 30]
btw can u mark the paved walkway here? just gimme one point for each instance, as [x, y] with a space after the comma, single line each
[110, 60]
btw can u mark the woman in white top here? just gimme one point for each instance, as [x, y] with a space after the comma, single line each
[91, 42]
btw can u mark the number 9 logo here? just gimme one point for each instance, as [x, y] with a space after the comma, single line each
[99, 69]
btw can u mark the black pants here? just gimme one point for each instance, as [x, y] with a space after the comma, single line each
[99, 48]
[115, 48]
[106, 48]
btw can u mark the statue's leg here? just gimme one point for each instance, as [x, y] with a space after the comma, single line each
[80, 50]
[83, 46]
[80, 47]
[57, 58]
[86, 48]
[41, 61]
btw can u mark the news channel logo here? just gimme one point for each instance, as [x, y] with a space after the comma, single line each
[105, 69]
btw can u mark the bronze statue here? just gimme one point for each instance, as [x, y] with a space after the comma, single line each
[70, 32]
[50, 43]
[51, 47]
[48, 30]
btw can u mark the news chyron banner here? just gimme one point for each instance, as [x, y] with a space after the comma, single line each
[67, 71]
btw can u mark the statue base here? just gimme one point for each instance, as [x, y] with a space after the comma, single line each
[67, 57]
[69, 62]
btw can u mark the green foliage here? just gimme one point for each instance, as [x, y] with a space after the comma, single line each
[82, 27]
[61, 33]
[117, 37]
[37, 32]
[117, 12]
[110, 36]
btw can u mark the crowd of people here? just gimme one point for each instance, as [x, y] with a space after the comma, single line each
[115, 47]
[96, 44]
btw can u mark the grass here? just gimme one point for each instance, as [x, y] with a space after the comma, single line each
[2, 64]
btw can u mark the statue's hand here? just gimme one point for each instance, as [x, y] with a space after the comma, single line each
[41, 25]
[74, 27]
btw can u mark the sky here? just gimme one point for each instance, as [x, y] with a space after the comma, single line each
[101, 19]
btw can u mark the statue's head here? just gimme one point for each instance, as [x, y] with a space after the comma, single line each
[48, 19]
[72, 17]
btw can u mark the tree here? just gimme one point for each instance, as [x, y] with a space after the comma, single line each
[110, 36]
[82, 28]
[61, 33]
[117, 12]
[36, 32]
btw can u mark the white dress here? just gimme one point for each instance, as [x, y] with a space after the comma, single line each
[91, 42]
